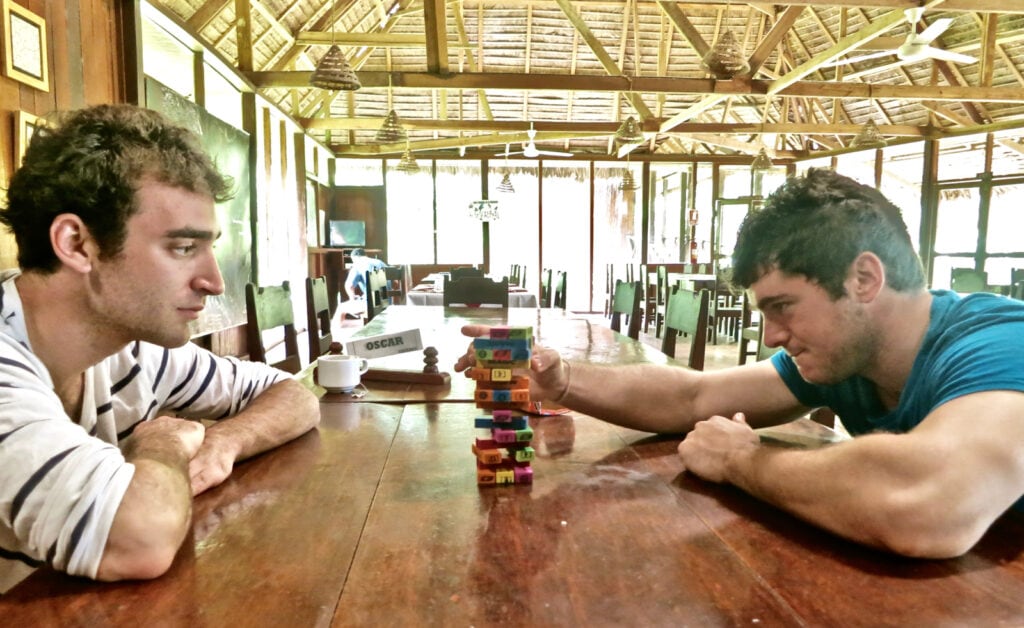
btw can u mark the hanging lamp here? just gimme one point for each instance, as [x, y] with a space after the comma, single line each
[407, 164]
[391, 132]
[333, 71]
[762, 162]
[725, 59]
[629, 132]
[869, 137]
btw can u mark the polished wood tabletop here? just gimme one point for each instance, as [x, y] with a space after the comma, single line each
[376, 519]
[576, 337]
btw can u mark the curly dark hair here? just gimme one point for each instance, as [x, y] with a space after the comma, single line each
[816, 225]
[90, 163]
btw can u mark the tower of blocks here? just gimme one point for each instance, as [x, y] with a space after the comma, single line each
[505, 457]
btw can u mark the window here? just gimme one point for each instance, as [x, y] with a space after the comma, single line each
[410, 203]
[513, 235]
[565, 198]
[459, 234]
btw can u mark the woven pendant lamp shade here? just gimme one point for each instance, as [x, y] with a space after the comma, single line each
[391, 132]
[629, 132]
[628, 182]
[334, 73]
[761, 162]
[407, 164]
[869, 137]
[506, 184]
[725, 59]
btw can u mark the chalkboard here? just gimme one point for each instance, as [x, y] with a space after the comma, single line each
[229, 148]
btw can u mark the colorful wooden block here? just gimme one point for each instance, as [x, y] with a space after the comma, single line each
[523, 474]
[524, 435]
[486, 423]
[504, 436]
[501, 416]
[488, 456]
[505, 476]
[525, 454]
[485, 476]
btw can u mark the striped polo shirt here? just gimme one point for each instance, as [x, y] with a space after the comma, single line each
[61, 480]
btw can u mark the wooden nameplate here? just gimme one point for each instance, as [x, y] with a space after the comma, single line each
[408, 376]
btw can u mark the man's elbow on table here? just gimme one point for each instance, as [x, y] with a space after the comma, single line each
[930, 530]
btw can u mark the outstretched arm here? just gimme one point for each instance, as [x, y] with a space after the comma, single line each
[652, 397]
[281, 413]
[932, 492]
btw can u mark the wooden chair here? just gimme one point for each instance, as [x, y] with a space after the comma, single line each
[967, 280]
[657, 302]
[545, 287]
[687, 312]
[522, 276]
[558, 298]
[468, 271]
[626, 302]
[268, 308]
[398, 282]
[514, 275]
[476, 292]
[750, 332]
[1017, 290]
[377, 298]
[609, 287]
[318, 317]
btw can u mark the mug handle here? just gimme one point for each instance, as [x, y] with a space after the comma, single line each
[363, 366]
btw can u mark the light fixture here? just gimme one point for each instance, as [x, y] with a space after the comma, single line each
[484, 209]
[629, 132]
[869, 137]
[762, 162]
[333, 71]
[407, 164]
[628, 182]
[391, 132]
[506, 184]
[725, 59]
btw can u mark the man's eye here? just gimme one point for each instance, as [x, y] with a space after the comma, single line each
[185, 249]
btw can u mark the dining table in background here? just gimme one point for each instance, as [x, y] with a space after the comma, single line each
[376, 518]
[433, 294]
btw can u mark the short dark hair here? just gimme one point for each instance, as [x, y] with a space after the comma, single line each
[90, 162]
[816, 225]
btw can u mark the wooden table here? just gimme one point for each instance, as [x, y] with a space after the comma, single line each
[376, 519]
[575, 337]
[427, 295]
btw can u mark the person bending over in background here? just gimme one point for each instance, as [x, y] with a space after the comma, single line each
[931, 384]
[100, 388]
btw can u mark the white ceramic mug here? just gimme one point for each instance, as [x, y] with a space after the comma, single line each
[340, 372]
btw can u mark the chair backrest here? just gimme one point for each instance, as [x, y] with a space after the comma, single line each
[318, 317]
[545, 287]
[1016, 276]
[514, 276]
[476, 292]
[662, 285]
[377, 298]
[687, 312]
[967, 280]
[398, 282]
[468, 271]
[522, 276]
[558, 294]
[626, 302]
[267, 308]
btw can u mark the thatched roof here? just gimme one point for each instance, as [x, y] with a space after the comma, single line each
[473, 75]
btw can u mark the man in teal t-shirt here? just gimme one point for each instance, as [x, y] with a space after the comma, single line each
[931, 385]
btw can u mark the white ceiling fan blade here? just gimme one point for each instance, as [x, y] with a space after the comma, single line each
[872, 55]
[554, 153]
[934, 29]
[949, 55]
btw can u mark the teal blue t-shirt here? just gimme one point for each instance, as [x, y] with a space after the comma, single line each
[973, 344]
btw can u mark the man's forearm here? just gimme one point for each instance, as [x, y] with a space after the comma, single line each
[283, 412]
[643, 397]
[873, 490]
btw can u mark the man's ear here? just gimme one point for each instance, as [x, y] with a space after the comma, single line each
[72, 243]
[866, 278]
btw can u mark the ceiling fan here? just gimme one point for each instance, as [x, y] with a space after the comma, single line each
[530, 148]
[917, 46]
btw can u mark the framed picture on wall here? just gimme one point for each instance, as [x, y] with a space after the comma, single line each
[25, 46]
[25, 126]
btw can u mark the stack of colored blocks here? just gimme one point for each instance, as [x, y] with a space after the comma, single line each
[505, 457]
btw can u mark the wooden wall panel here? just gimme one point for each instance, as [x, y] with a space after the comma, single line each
[79, 74]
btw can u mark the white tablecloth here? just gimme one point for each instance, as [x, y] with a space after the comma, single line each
[423, 297]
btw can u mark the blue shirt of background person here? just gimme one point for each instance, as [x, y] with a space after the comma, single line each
[970, 347]
[355, 283]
